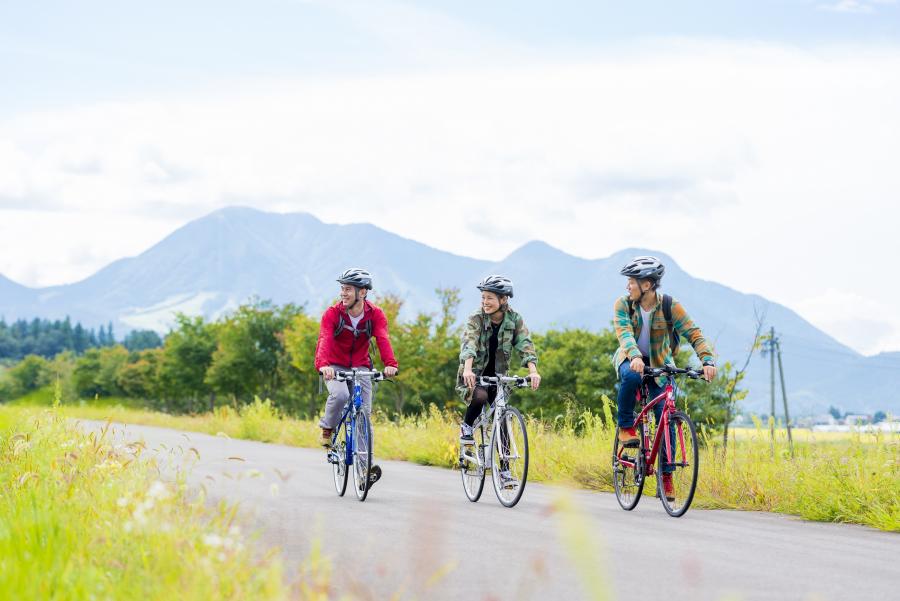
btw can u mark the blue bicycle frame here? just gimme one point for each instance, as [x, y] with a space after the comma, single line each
[350, 411]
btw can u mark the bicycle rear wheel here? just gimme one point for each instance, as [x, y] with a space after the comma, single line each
[683, 466]
[362, 455]
[473, 473]
[509, 453]
[628, 473]
[339, 467]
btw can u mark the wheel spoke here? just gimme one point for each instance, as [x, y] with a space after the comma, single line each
[677, 475]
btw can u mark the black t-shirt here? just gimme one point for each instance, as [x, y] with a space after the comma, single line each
[491, 368]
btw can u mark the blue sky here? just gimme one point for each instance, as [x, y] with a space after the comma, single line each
[735, 136]
[56, 53]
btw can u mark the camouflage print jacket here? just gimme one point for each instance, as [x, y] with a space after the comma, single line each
[476, 338]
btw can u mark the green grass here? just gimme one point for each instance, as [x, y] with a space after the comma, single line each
[83, 518]
[852, 479]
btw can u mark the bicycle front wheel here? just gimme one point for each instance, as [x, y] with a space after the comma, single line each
[509, 457]
[473, 471]
[362, 455]
[681, 469]
[628, 473]
[339, 461]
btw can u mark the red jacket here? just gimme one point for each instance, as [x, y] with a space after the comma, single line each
[345, 348]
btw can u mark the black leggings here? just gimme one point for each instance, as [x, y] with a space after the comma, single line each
[480, 396]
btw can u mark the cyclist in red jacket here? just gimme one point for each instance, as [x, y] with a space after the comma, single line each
[344, 335]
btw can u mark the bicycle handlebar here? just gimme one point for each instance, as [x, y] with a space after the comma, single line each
[520, 382]
[343, 376]
[671, 370]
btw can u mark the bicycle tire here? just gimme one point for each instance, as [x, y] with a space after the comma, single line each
[339, 468]
[518, 434]
[473, 479]
[362, 455]
[687, 465]
[628, 481]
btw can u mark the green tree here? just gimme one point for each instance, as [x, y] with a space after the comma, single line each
[427, 349]
[299, 376]
[112, 360]
[84, 376]
[186, 356]
[29, 374]
[576, 368]
[250, 350]
[139, 377]
[139, 340]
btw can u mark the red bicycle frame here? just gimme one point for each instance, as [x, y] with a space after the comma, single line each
[669, 408]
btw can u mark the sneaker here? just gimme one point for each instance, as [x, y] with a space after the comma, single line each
[628, 437]
[326, 437]
[507, 480]
[668, 487]
[465, 434]
[374, 475]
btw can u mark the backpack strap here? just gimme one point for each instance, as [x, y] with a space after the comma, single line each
[342, 325]
[670, 323]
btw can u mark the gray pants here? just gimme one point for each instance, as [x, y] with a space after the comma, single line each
[338, 395]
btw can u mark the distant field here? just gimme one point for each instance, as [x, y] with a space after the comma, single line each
[804, 435]
[834, 476]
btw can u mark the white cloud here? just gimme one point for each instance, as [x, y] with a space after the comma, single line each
[740, 160]
[855, 6]
[857, 319]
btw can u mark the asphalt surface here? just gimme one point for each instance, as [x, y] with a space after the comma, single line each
[418, 537]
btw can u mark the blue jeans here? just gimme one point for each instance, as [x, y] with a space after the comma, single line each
[629, 382]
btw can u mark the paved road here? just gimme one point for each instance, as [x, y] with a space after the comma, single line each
[417, 537]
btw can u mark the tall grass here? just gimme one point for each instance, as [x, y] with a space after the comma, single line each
[83, 518]
[854, 478]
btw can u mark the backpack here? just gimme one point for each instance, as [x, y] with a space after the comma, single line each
[367, 330]
[342, 325]
[674, 338]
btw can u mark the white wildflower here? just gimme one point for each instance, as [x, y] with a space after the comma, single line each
[158, 490]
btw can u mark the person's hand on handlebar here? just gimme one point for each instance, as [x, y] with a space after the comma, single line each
[637, 365]
[709, 372]
[535, 379]
[390, 371]
[327, 372]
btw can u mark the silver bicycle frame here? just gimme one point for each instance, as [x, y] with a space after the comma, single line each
[499, 411]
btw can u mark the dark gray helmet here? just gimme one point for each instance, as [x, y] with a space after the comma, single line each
[644, 268]
[498, 284]
[356, 277]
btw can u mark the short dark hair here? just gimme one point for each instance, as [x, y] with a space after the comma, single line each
[654, 283]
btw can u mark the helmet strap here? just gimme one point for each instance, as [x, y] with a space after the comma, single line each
[356, 299]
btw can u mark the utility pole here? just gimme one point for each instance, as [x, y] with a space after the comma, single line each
[787, 415]
[772, 346]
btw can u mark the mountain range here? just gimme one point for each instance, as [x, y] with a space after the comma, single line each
[213, 264]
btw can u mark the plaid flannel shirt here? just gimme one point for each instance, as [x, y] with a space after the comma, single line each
[628, 323]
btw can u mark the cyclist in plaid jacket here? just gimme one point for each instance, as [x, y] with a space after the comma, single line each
[645, 338]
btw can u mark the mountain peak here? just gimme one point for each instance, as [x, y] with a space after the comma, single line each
[538, 250]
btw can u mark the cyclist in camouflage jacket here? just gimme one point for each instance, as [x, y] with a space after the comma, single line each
[491, 335]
